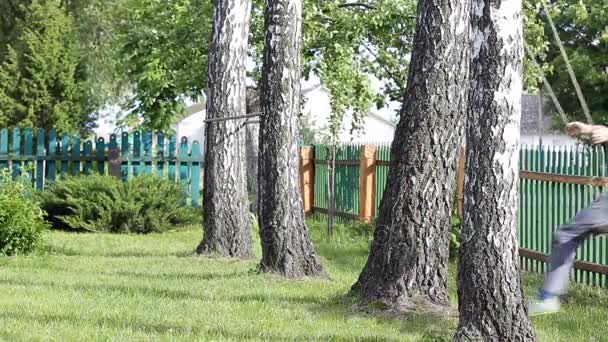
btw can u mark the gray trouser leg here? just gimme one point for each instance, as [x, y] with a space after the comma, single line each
[591, 221]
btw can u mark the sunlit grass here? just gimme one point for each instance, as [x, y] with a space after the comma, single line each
[87, 287]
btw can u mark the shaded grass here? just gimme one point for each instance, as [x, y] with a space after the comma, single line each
[132, 287]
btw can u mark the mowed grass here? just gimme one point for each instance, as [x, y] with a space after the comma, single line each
[90, 287]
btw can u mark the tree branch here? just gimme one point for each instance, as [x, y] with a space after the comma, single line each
[357, 4]
[386, 69]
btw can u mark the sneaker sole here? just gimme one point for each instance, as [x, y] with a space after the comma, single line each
[543, 313]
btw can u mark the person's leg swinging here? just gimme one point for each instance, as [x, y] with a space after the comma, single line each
[590, 221]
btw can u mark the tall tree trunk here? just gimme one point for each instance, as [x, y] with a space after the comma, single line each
[226, 219]
[491, 300]
[407, 265]
[286, 245]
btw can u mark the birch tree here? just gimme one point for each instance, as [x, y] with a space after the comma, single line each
[408, 261]
[226, 219]
[490, 296]
[286, 245]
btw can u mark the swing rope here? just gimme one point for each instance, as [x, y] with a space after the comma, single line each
[579, 93]
[548, 87]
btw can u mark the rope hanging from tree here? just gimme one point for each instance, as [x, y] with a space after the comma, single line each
[547, 86]
[579, 93]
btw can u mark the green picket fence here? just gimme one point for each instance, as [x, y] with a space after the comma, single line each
[544, 205]
[383, 154]
[347, 180]
[49, 156]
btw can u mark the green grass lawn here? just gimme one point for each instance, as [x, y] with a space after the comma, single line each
[88, 287]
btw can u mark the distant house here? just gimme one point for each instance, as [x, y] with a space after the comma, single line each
[535, 130]
[191, 124]
[378, 125]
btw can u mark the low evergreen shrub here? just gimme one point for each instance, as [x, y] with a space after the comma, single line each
[96, 203]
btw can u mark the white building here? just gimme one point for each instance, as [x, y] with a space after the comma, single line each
[535, 130]
[377, 126]
[191, 125]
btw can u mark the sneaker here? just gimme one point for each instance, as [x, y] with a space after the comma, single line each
[546, 306]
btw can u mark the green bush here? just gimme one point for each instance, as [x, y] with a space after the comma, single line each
[145, 204]
[21, 220]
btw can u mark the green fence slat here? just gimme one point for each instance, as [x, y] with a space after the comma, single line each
[88, 153]
[147, 142]
[526, 234]
[601, 254]
[535, 223]
[125, 152]
[195, 174]
[577, 198]
[160, 154]
[75, 155]
[16, 151]
[137, 167]
[172, 151]
[522, 205]
[40, 153]
[65, 152]
[28, 150]
[183, 164]
[100, 153]
[4, 157]
[51, 164]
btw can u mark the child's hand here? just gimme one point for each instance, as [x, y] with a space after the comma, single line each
[576, 128]
[599, 134]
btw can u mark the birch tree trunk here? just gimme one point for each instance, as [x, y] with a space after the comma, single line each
[407, 265]
[286, 245]
[226, 219]
[490, 295]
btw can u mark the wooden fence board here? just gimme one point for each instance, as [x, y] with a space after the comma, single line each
[183, 165]
[75, 156]
[195, 174]
[65, 152]
[88, 154]
[137, 167]
[40, 152]
[147, 142]
[100, 153]
[4, 148]
[16, 151]
[125, 153]
[51, 152]
[171, 161]
[160, 154]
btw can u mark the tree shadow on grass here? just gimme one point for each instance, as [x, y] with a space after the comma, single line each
[177, 275]
[350, 259]
[57, 250]
[165, 328]
[428, 326]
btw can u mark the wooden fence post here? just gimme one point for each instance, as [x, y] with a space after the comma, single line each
[367, 177]
[307, 178]
[460, 179]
